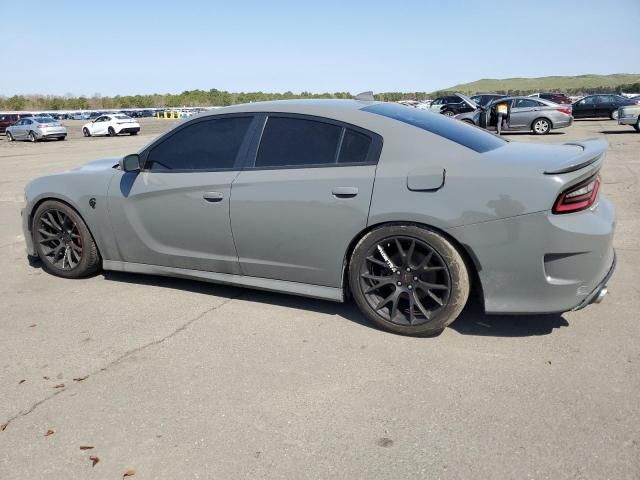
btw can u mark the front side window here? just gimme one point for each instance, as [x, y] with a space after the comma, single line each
[204, 145]
[295, 142]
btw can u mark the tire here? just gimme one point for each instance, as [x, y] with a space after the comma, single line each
[62, 139]
[9, 137]
[32, 137]
[86, 132]
[112, 132]
[59, 230]
[133, 133]
[541, 126]
[448, 113]
[466, 120]
[614, 114]
[637, 125]
[433, 261]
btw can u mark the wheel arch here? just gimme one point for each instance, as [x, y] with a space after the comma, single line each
[69, 204]
[542, 117]
[471, 260]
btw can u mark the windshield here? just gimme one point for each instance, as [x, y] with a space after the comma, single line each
[459, 132]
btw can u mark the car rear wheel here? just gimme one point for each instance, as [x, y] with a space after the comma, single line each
[466, 120]
[61, 138]
[448, 113]
[63, 241]
[541, 126]
[112, 132]
[9, 137]
[408, 279]
[32, 137]
[614, 114]
[86, 132]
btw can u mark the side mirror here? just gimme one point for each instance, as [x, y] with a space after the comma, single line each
[130, 163]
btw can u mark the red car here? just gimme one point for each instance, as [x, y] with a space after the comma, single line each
[553, 97]
[8, 119]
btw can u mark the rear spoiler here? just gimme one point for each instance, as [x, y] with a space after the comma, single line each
[593, 150]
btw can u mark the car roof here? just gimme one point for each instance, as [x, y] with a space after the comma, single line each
[321, 107]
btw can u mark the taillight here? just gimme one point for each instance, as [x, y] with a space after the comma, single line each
[565, 110]
[579, 197]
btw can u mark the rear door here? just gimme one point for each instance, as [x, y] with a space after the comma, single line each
[175, 212]
[523, 112]
[303, 197]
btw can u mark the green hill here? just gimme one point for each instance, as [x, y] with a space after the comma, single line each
[574, 84]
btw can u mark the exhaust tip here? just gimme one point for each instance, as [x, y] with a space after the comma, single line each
[601, 294]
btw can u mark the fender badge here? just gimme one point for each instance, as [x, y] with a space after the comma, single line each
[92, 203]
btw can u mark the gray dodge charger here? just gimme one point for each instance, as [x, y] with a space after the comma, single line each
[404, 210]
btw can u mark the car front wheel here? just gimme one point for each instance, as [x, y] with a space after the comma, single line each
[614, 114]
[112, 132]
[637, 125]
[408, 279]
[63, 241]
[9, 137]
[32, 137]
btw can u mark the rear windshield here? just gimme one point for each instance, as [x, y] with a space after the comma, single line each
[459, 132]
[45, 120]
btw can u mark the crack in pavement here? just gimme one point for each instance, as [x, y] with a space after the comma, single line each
[121, 358]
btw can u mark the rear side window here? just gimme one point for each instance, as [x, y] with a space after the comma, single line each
[459, 132]
[204, 145]
[295, 142]
[355, 147]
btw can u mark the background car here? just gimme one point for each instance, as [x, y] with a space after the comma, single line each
[630, 115]
[525, 114]
[8, 119]
[406, 210]
[451, 105]
[34, 129]
[596, 106]
[559, 98]
[112, 125]
[484, 99]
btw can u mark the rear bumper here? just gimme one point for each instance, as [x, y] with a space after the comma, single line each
[600, 291]
[631, 120]
[563, 123]
[541, 262]
[51, 133]
[129, 130]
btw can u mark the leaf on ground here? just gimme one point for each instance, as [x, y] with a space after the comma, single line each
[32, 325]
[60, 385]
[45, 378]
[51, 431]
[86, 447]
[94, 460]
[21, 381]
[129, 473]
[3, 427]
[79, 379]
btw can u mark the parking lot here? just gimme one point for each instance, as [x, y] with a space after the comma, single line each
[179, 379]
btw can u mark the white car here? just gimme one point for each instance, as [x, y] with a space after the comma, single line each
[112, 124]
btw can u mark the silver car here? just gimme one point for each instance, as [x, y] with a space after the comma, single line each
[404, 210]
[36, 128]
[524, 113]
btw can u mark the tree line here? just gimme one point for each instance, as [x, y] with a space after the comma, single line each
[214, 97]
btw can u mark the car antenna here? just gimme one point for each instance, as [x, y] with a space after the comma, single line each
[365, 96]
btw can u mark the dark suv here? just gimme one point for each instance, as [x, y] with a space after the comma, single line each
[594, 106]
[8, 119]
[451, 105]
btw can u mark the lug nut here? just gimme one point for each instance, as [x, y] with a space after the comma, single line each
[415, 278]
[409, 287]
[399, 284]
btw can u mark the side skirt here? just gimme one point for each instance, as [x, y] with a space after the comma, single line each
[295, 288]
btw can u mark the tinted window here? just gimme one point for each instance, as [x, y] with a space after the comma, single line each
[526, 103]
[204, 145]
[295, 141]
[459, 132]
[46, 120]
[587, 101]
[354, 148]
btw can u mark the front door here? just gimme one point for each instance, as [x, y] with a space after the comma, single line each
[303, 198]
[175, 212]
[585, 108]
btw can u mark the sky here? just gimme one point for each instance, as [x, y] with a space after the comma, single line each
[166, 46]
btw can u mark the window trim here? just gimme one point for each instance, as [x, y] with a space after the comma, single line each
[373, 155]
[240, 157]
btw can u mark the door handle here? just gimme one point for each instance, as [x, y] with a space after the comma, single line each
[213, 196]
[344, 192]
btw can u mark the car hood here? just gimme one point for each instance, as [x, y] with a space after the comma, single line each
[98, 165]
[468, 101]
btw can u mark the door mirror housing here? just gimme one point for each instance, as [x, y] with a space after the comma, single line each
[130, 163]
